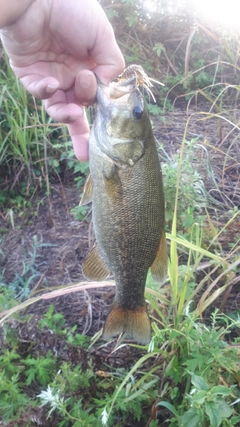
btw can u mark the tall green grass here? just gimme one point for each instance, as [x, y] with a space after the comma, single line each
[23, 127]
[33, 149]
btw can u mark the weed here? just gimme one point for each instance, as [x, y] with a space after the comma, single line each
[154, 109]
[42, 368]
[52, 321]
[79, 169]
[33, 150]
[20, 288]
[9, 363]
[208, 405]
[12, 399]
[80, 212]
[192, 196]
[56, 321]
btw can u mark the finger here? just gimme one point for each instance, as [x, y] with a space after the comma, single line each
[85, 87]
[39, 87]
[107, 72]
[79, 133]
[61, 110]
[107, 55]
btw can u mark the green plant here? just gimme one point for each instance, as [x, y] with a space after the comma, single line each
[56, 322]
[79, 169]
[80, 212]
[192, 195]
[12, 399]
[9, 363]
[42, 368]
[53, 321]
[34, 151]
[208, 405]
[154, 109]
[20, 288]
[23, 130]
[71, 382]
[86, 409]
[203, 350]
[191, 346]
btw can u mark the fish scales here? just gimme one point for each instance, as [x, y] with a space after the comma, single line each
[129, 227]
[127, 207]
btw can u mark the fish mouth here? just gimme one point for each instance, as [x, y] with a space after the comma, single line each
[126, 86]
[116, 90]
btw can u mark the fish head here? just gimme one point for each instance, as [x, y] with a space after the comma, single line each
[121, 118]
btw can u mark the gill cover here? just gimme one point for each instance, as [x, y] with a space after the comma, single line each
[120, 113]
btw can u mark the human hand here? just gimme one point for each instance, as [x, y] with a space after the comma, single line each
[55, 48]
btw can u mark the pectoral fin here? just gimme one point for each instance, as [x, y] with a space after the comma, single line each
[87, 191]
[112, 183]
[160, 264]
[94, 267]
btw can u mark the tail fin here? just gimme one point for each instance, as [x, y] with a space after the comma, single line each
[134, 323]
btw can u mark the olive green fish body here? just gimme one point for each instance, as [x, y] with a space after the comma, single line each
[127, 209]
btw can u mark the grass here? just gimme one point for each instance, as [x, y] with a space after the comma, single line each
[34, 151]
[24, 126]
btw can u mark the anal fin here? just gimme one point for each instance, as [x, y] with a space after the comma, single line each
[159, 266]
[94, 267]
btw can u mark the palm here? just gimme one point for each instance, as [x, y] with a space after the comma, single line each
[54, 49]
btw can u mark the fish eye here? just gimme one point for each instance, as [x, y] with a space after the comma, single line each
[137, 112]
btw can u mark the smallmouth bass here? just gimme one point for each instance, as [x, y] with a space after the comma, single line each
[126, 190]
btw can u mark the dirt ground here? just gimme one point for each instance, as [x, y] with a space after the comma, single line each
[63, 242]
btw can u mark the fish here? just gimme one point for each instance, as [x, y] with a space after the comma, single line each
[126, 190]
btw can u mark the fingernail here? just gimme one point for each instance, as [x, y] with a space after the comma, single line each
[86, 81]
[51, 88]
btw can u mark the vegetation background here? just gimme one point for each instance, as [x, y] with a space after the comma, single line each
[51, 373]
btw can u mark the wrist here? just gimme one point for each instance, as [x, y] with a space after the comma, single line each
[11, 10]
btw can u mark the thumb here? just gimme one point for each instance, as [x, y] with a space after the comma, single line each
[107, 56]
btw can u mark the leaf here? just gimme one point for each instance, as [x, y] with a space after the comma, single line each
[190, 418]
[138, 393]
[55, 163]
[195, 248]
[221, 389]
[169, 407]
[235, 420]
[212, 410]
[30, 375]
[199, 397]
[199, 383]
[224, 409]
